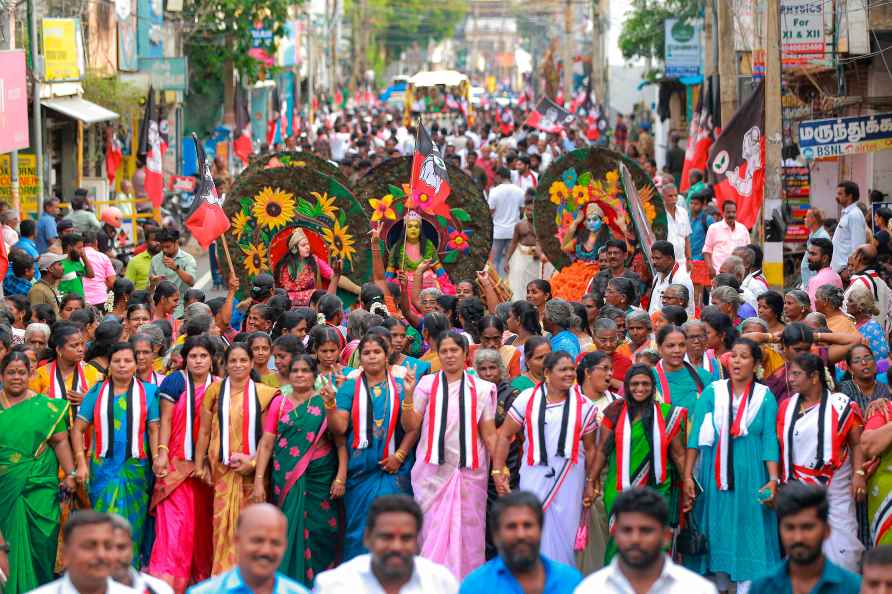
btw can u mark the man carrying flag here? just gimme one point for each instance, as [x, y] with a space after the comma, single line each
[549, 117]
[737, 159]
[700, 138]
[153, 145]
[207, 221]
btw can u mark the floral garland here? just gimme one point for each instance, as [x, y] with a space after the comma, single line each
[449, 221]
[273, 209]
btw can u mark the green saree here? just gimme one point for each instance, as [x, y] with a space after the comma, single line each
[29, 489]
[304, 466]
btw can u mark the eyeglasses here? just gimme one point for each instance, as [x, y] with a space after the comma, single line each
[864, 359]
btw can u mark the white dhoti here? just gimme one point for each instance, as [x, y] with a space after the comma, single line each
[525, 267]
[843, 546]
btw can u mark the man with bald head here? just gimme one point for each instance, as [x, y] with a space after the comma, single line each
[261, 537]
[862, 266]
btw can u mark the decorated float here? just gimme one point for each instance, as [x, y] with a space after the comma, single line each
[586, 198]
[293, 217]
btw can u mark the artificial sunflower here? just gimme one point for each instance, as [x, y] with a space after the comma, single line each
[325, 204]
[339, 241]
[239, 221]
[558, 192]
[580, 195]
[255, 258]
[383, 208]
[273, 208]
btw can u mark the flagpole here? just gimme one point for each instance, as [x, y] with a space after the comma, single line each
[411, 192]
[228, 256]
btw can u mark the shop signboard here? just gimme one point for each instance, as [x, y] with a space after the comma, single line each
[28, 183]
[13, 102]
[63, 50]
[854, 135]
[166, 74]
[683, 48]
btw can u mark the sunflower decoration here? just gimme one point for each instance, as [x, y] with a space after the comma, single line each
[273, 208]
[580, 195]
[239, 223]
[383, 208]
[255, 258]
[325, 204]
[559, 192]
[339, 241]
[458, 240]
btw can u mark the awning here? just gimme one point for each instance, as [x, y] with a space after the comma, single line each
[80, 109]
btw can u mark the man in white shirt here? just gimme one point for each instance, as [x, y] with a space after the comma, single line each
[641, 532]
[851, 231]
[862, 265]
[668, 272]
[122, 570]
[523, 176]
[678, 222]
[392, 564]
[89, 556]
[505, 203]
[753, 283]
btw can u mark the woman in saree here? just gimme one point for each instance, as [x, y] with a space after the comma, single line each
[655, 431]
[308, 466]
[559, 423]
[181, 502]
[535, 349]
[146, 348]
[119, 409]
[797, 305]
[232, 411]
[378, 447]
[678, 382]
[33, 446]
[820, 444]
[876, 441]
[733, 447]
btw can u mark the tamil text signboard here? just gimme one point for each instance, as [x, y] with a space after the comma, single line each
[845, 136]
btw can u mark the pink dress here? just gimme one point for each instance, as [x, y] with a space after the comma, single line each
[453, 499]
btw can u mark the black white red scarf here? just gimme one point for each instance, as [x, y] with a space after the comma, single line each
[362, 413]
[104, 420]
[437, 409]
[571, 417]
[189, 395]
[154, 378]
[57, 381]
[663, 431]
[251, 412]
[747, 409]
[836, 414]
[869, 279]
[663, 381]
[668, 278]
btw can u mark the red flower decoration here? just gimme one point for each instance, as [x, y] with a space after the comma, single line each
[458, 240]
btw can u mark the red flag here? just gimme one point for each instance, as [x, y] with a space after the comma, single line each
[4, 259]
[114, 154]
[242, 145]
[737, 159]
[700, 137]
[207, 221]
[430, 181]
[549, 117]
[153, 145]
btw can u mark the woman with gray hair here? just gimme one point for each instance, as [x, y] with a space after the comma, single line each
[726, 300]
[146, 346]
[559, 320]
[797, 305]
[862, 306]
[37, 336]
[828, 301]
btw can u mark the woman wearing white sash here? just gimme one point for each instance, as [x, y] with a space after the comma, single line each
[559, 425]
[820, 434]
[733, 434]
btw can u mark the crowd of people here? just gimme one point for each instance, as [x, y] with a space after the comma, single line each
[676, 429]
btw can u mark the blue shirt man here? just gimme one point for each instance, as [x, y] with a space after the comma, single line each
[517, 532]
[46, 225]
[27, 245]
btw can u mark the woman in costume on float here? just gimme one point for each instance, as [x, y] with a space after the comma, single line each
[411, 250]
[300, 272]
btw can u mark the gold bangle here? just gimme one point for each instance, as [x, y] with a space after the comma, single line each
[495, 472]
[861, 472]
[162, 446]
[399, 455]
[338, 481]
[330, 405]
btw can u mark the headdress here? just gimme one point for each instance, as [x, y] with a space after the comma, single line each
[295, 238]
[412, 216]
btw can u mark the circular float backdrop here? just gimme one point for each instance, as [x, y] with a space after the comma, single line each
[265, 205]
[297, 159]
[461, 228]
[609, 178]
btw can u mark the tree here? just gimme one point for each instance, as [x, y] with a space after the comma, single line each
[643, 31]
[219, 35]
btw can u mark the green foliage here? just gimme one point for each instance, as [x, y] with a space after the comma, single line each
[643, 31]
[111, 93]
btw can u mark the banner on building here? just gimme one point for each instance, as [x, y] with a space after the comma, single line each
[63, 50]
[13, 102]
[28, 184]
[166, 74]
[845, 136]
[803, 39]
[684, 51]
[150, 28]
[263, 45]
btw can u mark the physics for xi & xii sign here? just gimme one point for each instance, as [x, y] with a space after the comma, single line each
[845, 136]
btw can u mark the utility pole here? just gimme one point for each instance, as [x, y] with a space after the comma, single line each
[311, 65]
[600, 11]
[568, 50]
[36, 110]
[334, 25]
[727, 58]
[773, 264]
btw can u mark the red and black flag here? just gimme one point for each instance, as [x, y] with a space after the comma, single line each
[430, 181]
[701, 135]
[153, 145]
[242, 145]
[737, 159]
[207, 221]
[549, 117]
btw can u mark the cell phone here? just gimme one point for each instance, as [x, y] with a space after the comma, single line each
[763, 494]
